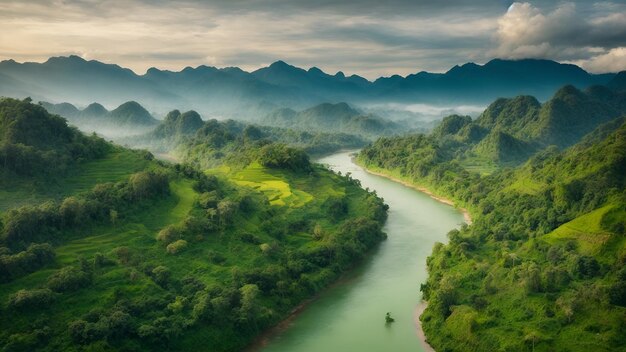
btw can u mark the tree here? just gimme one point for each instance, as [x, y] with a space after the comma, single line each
[68, 279]
[28, 299]
[249, 309]
[176, 247]
[161, 275]
[113, 216]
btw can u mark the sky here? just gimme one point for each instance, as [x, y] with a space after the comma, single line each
[371, 38]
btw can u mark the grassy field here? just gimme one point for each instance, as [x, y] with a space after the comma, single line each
[273, 184]
[482, 166]
[590, 233]
[116, 166]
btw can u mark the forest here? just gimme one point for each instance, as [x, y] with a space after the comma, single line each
[542, 266]
[161, 255]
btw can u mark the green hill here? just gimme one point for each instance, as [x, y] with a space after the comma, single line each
[143, 255]
[183, 133]
[44, 159]
[127, 119]
[333, 118]
[509, 131]
[542, 266]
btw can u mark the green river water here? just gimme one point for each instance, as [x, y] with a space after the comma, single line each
[350, 316]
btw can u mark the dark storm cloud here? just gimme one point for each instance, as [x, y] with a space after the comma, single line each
[368, 37]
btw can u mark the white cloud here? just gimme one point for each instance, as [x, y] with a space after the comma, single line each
[365, 37]
[566, 33]
[612, 61]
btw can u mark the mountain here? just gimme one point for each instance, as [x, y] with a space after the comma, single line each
[497, 78]
[93, 110]
[232, 92]
[130, 118]
[185, 134]
[329, 117]
[132, 113]
[75, 79]
[618, 82]
[510, 130]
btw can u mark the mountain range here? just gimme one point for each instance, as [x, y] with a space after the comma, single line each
[233, 92]
[130, 118]
[512, 129]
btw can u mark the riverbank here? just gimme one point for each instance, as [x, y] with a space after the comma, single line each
[466, 215]
[419, 310]
[265, 337]
[421, 307]
[350, 315]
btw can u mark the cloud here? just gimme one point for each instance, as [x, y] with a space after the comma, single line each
[612, 61]
[366, 37]
[565, 33]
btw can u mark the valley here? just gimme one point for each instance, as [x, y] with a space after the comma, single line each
[298, 176]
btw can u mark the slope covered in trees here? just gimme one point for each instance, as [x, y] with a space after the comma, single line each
[207, 143]
[541, 267]
[171, 257]
[509, 131]
[332, 118]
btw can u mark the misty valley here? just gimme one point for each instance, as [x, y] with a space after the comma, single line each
[220, 202]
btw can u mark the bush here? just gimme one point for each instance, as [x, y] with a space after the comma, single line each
[169, 234]
[161, 275]
[28, 261]
[176, 247]
[216, 257]
[24, 299]
[68, 279]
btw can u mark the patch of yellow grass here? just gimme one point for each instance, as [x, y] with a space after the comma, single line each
[586, 230]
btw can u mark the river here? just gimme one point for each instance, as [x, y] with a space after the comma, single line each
[350, 316]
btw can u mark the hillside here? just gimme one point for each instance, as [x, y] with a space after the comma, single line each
[510, 130]
[328, 117]
[541, 267]
[232, 92]
[183, 133]
[169, 256]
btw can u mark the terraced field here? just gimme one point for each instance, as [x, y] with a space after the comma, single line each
[590, 233]
[116, 166]
[273, 184]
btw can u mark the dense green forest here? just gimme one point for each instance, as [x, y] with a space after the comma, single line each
[510, 130]
[138, 254]
[542, 266]
[211, 143]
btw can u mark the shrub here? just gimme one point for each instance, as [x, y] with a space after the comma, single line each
[176, 247]
[161, 275]
[169, 234]
[24, 299]
[68, 279]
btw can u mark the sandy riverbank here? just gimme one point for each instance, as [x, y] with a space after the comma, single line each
[421, 307]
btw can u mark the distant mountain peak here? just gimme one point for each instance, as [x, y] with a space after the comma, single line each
[316, 71]
[280, 64]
